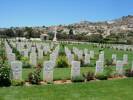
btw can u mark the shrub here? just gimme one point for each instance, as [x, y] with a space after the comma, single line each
[89, 76]
[129, 73]
[4, 75]
[108, 71]
[77, 79]
[34, 78]
[40, 64]
[101, 76]
[62, 62]
[17, 83]
[2, 53]
[108, 62]
[87, 65]
[62, 51]
[24, 59]
[25, 62]
[27, 65]
[82, 63]
[18, 55]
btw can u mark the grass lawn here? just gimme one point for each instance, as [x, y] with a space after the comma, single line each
[101, 90]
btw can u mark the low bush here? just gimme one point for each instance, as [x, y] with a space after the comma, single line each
[108, 71]
[62, 62]
[17, 83]
[62, 50]
[34, 78]
[18, 55]
[25, 62]
[89, 76]
[88, 65]
[129, 73]
[27, 65]
[4, 75]
[101, 76]
[77, 79]
[108, 62]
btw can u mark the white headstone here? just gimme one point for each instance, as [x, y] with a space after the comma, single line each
[11, 57]
[33, 59]
[132, 66]
[16, 67]
[70, 58]
[125, 59]
[92, 54]
[114, 58]
[87, 59]
[119, 67]
[75, 69]
[99, 67]
[40, 54]
[101, 57]
[48, 71]
[26, 53]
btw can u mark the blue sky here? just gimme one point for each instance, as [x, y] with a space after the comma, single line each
[53, 12]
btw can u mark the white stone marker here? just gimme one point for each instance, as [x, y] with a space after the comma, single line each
[101, 57]
[33, 59]
[125, 59]
[132, 66]
[16, 67]
[80, 55]
[99, 67]
[48, 71]
[119, 67]
[75, 69]
[26, 53]
[92, 54]
[40, 54]
[85, 51]
[33, 49]
[11, 57]
[87, 59]
[70, 58]
[114, 58]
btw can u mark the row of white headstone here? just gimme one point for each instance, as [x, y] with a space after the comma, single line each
[48, 69]
[79, 53]
[113, 46]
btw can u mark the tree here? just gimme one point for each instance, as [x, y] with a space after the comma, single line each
[96, 38]
[9, 33]
[28, 31]
[71, 32]
[71, 35]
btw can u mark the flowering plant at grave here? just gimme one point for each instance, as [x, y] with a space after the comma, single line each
[4, 69]
[34, 78]
[4, 75]
[89, 76]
